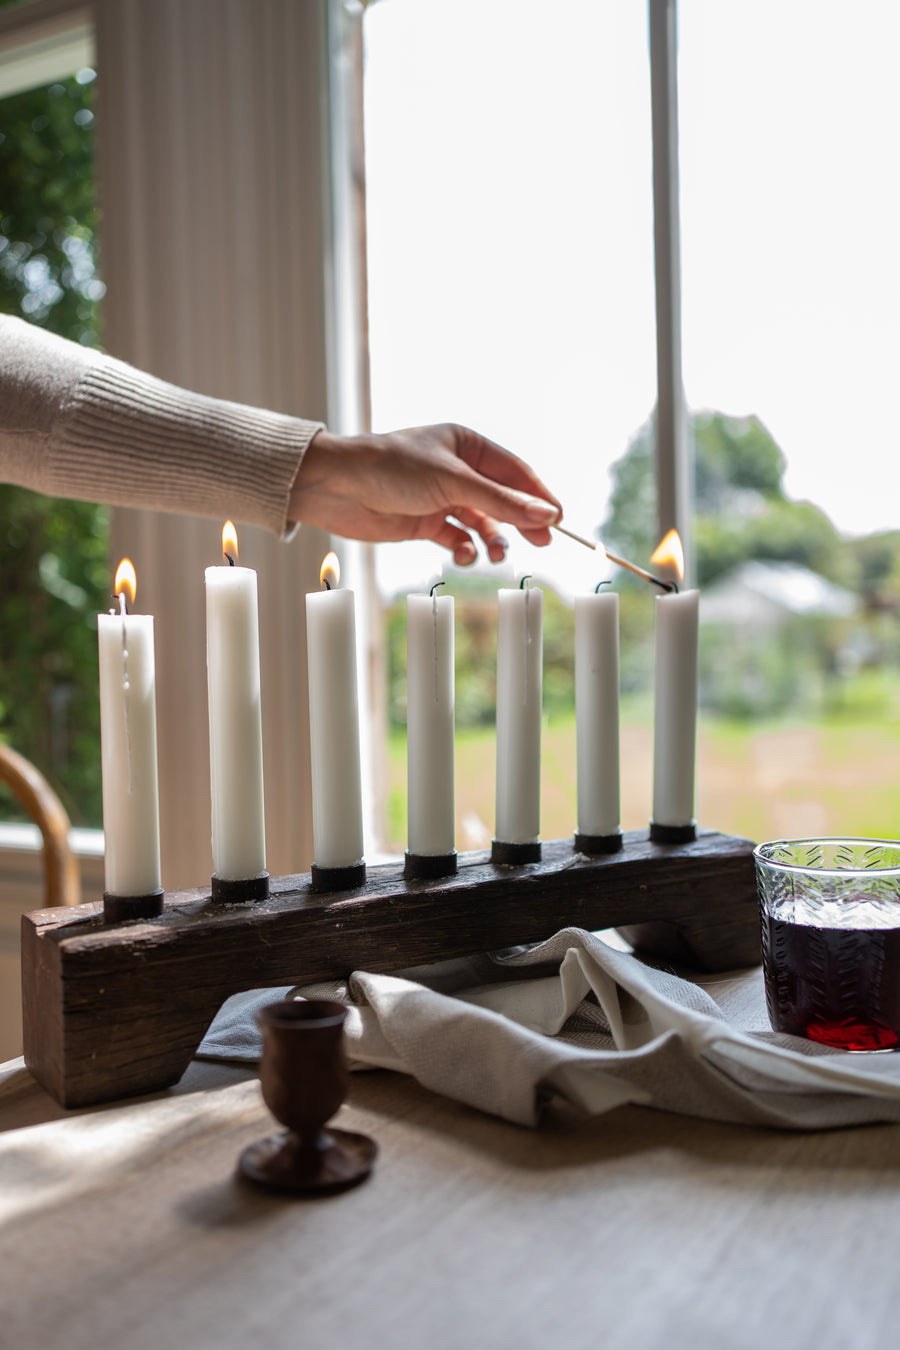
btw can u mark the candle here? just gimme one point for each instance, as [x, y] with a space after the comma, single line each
[429, 723]
[597, 714]
[128, 745]
[334, 723]
[519, 674]
[235, 719]
[675, 697]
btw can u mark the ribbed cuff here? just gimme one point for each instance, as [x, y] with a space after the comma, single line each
[129, 439]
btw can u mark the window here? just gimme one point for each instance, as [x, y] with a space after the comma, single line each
[791, 301]
[509, 220]
[511, 287]
[53, 554]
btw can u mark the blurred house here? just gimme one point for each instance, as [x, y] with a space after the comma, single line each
[774, 634]
[765, 595]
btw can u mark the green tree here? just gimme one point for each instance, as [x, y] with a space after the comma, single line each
[741, 510]
[48, 213]
[53, 554]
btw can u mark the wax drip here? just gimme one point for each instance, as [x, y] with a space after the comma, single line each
[524, 585]
[434, 621]
[126, 685]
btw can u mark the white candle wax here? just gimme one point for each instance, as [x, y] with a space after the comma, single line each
[597, 713]
[429, 724]
[675, 708]
[519, 674]
[334, 729]
[235, 723]
[128, 753]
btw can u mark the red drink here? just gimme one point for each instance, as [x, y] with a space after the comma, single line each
[838, 986]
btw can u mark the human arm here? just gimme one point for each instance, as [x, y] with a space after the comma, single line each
[405, 485]
[77, 423]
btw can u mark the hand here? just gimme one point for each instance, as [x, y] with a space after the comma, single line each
[404, 485]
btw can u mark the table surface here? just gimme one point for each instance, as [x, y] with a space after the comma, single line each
[125, 1227]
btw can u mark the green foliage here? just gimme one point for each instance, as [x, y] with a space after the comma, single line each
[630, 524]
[877, 561]
[738, 465]
[48, 270]
[53, 554]
[54, 561]
[476, 654]
[741, 511]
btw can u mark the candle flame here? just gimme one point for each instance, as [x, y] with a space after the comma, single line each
[229, 542]
[126, 580]
[669, 554]
[330, 572]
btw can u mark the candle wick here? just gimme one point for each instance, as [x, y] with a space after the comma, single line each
[230, 560]
[607, 582]
[326, 584]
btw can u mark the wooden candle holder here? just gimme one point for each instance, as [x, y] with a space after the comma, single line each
[111, 1010]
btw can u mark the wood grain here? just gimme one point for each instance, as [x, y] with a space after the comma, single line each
[113, 1011]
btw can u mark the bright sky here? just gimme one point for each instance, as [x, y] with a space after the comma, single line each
[510, 227]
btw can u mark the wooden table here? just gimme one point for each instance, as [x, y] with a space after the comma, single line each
[124, 1228]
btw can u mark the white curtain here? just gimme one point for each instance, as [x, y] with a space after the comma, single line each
[216, 194]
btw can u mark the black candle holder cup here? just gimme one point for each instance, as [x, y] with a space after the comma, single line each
[350, 878]
[428, 866]
[504, 854]
[672, 834]
[595, 845]
[122, 908]
[241, 890]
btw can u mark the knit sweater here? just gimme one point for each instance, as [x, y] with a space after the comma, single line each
[77, 423]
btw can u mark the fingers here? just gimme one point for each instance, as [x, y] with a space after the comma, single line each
[456, 540]
[519, 495]
[489, 530]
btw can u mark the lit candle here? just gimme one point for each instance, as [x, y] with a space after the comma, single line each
[519, 675]
[429, 724]
[334, 723]
[128, 745]
[597, 719]
[235, 718]
[675, 701]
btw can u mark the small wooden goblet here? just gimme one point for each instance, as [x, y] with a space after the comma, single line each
[304, 1078]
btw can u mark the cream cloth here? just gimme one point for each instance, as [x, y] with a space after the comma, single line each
[575, 1018]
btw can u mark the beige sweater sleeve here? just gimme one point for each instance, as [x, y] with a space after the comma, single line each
[76, 423]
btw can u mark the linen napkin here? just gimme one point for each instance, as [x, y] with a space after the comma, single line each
[577, 1019]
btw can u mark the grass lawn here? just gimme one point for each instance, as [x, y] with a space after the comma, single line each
[761, 780]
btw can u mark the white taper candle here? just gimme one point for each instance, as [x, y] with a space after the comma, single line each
[597, 713]
[235, 722]
[675, 708]
[519, 687]
[334, 725]
[128, 752]
[429, 724]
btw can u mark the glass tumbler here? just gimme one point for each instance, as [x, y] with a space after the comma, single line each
[830, 911]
